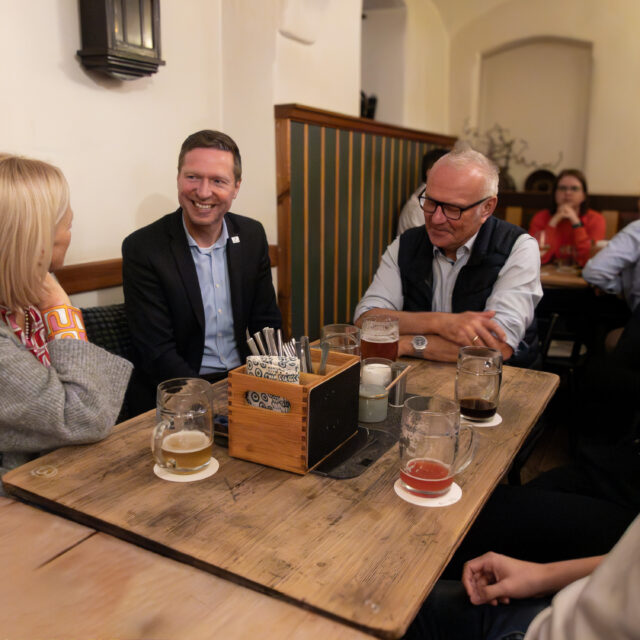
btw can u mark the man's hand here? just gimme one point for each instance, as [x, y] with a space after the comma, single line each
[493, 578]
[52, 294]
[462, 328]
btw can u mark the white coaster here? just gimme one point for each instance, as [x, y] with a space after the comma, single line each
[451, 497]
[494, 422]
[165, 474]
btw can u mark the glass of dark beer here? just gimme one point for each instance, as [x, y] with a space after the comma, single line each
[478, 379]
[379, 337]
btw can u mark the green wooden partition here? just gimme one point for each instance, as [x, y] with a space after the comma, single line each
[342, 182]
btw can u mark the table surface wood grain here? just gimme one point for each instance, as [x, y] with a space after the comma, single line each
[350, 549]
[64, 580]
[553, 278]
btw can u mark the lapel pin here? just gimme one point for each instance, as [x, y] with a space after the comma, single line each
[235, 239]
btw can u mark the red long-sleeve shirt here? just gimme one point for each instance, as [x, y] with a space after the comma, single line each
[582, 238]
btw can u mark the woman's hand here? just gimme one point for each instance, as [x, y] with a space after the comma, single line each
[493, 578]
[565, 211]
[52, 294]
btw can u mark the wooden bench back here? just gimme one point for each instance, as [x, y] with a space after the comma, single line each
[520, 207]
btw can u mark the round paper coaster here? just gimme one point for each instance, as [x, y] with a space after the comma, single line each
[494, 422]
[165, 474]
[451, 497]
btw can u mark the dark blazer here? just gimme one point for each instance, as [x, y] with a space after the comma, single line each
[164, 305]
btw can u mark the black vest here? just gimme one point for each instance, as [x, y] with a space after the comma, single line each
[474, 282]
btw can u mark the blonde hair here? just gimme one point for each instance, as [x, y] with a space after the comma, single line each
[34, 196]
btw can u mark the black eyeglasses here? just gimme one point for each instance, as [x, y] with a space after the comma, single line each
[450, 211]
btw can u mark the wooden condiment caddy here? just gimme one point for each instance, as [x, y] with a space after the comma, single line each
[323, 415]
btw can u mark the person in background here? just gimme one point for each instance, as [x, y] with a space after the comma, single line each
[463, 277]
[198, 278]
[568, 222]
[55, 387]
[412, 214]
[616, 268]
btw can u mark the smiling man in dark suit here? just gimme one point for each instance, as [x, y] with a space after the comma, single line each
[196, 279]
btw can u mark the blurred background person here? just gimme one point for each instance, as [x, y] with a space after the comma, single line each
[616, 268]
[412, 214]
[55, 387]
[569, 224]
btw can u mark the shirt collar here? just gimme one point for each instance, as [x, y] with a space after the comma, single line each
[219, 243]
[464, 250]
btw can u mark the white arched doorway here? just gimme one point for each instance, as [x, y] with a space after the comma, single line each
[539, 89]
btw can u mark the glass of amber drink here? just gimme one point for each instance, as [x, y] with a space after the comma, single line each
[379, 336]
[182, 440]
[434, 448]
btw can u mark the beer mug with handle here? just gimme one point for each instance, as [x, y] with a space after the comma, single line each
[433, 446]
[182, 440]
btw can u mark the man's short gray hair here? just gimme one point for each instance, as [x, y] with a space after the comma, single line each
[464, 155]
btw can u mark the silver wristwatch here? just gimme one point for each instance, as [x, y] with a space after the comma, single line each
[419, 344]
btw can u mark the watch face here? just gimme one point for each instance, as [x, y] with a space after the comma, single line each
[419, 343]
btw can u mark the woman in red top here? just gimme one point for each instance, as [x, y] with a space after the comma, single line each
[569, 221]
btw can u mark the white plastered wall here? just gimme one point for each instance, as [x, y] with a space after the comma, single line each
[612, 153]
[555, 129]
[406, 64]
[325, 74]
[117, 142]
[427, 69]
[383, 62]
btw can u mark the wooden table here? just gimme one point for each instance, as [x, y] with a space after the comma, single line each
[552, 278]
[65, 580]
[350, 549]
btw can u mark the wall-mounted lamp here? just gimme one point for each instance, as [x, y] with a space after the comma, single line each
[121, 37]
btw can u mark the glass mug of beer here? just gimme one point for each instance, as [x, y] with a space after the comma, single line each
[434, 448]
[183, 437]
[379, 336]
[478, 379]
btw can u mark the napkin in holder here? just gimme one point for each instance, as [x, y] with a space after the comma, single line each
[282, 368]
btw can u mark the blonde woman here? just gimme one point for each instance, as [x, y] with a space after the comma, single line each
[55, 387]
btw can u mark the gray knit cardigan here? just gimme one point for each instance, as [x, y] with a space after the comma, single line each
[74, 401]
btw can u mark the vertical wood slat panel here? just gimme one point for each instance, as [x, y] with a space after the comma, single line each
[349, 271]
[382, 194]
[305, 169]
[336, 231]
[337, 213]
[322, 223]
[361, 217]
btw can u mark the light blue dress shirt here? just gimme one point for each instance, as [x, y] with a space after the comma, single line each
[514, 297]
[220, 348]
[616, 269]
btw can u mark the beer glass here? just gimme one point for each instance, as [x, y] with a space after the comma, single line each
[543, 242]
[183, 437]
[433, 446]
[379, 337]
[478, 379]
[344, 338]
[566, 260]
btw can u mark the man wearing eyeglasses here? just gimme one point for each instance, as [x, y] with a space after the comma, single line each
[465, 278]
